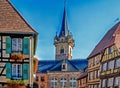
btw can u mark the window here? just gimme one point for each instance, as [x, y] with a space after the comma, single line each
[37, 79]
[54, 83]
[16, 71]
[111, 49]
[63, 66]
[104, 68]
[116, 83]
[16, 44]
[104, 81]
[91, 75]
[110, 82]
[42, 78]
[111, 64]
[72, 83]
[62, 51]
[63, 83]
[117, 63]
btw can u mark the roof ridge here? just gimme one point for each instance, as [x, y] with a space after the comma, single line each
[107, 37]
[21, 16]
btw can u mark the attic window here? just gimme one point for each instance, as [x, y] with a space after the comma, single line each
[63, 66]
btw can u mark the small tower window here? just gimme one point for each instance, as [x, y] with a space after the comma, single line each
[63, 66]
[61, 51]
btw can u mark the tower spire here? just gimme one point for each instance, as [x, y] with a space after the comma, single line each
[64, 27]
[64, 42]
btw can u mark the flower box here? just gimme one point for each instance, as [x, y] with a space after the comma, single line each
[17, 56]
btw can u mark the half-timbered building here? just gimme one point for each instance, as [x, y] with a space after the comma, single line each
[17, 45]
[110, 62]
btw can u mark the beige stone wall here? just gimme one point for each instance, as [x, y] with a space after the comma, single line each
[60, 75]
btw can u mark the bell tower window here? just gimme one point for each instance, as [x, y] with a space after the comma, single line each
[62, 51]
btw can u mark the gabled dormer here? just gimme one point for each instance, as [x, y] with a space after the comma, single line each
[64, 66]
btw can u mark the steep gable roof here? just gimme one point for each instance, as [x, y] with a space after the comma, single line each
[11, 21]
[106, 41]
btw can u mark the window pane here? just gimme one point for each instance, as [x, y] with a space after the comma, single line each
[117, 63]
[111, 65]
[19, 44]
[110, 82]
[16, 71]
[16, 44]
[104, 66]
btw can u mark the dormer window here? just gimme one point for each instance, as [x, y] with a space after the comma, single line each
[64, 66]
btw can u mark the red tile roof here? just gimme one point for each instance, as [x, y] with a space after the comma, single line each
[106, 41]
[83, 75]
[11, 21]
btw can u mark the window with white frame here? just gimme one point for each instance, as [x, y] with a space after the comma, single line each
[73, 83]
[111, 64]
[63, 83]
[16, 44]
[54, 83]
[117, 63]
[16, 71]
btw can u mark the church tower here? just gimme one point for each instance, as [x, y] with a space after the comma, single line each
[64, 42]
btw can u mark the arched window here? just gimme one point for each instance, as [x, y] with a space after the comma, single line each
[54, 83]
[63, 83]
[73, 83]
[62, 51]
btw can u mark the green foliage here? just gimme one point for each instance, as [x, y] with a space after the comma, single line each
[19, 82]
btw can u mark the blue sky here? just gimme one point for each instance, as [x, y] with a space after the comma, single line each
[88, 20]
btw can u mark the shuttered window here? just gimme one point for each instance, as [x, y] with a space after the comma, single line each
[17, 45]
[17, 71]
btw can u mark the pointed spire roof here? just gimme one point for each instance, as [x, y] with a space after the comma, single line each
[64, 28]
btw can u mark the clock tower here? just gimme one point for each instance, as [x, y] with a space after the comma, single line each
[64, 42]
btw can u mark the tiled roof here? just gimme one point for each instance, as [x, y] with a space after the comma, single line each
[106, 41]
[55, 65]
[11, 21]
[84, 74]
